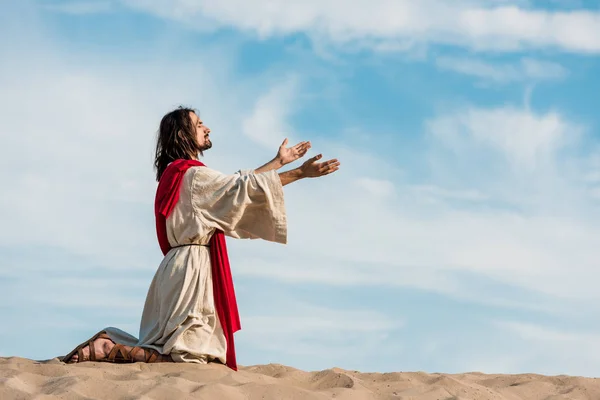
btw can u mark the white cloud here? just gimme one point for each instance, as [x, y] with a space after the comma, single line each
[524, 138]
[310, 319]
[528, 223]
[568, 350]
[593, 177]
[538, 69]
[266, 125]
[319, 337]
[435, 192]
[377, 187]
[491, 26]
[527, 69]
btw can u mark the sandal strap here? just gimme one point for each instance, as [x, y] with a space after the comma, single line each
[80, 355]
[135, 350]
[92, 350]
[118, 354]
[132, 353]
[148, 354]
[153, 357]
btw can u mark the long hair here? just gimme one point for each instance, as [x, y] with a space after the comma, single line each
[176, 139]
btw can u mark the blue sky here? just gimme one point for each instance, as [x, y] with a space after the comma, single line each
[461, 233]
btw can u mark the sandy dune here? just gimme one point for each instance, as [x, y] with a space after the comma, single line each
[23, 379]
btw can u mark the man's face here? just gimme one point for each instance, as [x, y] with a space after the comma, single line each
[202, 132]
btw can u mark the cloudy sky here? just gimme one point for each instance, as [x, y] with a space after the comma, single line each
[461, 234]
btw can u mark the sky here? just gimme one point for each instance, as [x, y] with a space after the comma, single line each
[460, 234]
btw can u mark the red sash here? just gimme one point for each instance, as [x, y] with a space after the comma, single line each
[167, 195]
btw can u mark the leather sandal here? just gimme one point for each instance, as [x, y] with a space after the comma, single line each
[119, 354]
[151, 355]
[79, 349]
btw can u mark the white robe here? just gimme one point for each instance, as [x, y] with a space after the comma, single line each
[179, 316]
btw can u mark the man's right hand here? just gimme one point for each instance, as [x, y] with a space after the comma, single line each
[312, 169]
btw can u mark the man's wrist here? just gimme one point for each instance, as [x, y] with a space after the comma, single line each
[290, 176]
[274, 164]
[299, 173]
[277, 162]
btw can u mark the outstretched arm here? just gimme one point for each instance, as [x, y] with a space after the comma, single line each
[310, 169]
[273, 164]
[288, 177]
[285, 156]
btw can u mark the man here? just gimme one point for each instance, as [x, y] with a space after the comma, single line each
[190, 314]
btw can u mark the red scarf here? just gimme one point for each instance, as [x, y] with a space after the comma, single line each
[167, 195]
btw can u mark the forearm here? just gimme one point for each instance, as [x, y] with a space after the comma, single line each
[273, 164]
[290, 176]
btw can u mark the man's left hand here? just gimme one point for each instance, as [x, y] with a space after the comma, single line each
[287, 155]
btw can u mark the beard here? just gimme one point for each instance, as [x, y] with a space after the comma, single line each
[207, 145]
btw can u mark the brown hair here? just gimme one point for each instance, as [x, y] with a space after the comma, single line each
[176, 139]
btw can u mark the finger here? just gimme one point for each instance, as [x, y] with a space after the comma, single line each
[285, 142]
[315, 158]
[302, 145]
[324, 167]
[330, 171]
[325, 164]
[303, 151]
[333, 168]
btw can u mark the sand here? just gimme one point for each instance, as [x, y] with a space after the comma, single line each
[21, 378]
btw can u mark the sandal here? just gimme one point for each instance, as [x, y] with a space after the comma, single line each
[119, 355]
[79, 349]
[150, 355]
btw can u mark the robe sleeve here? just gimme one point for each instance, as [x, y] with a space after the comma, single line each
[244, 205]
